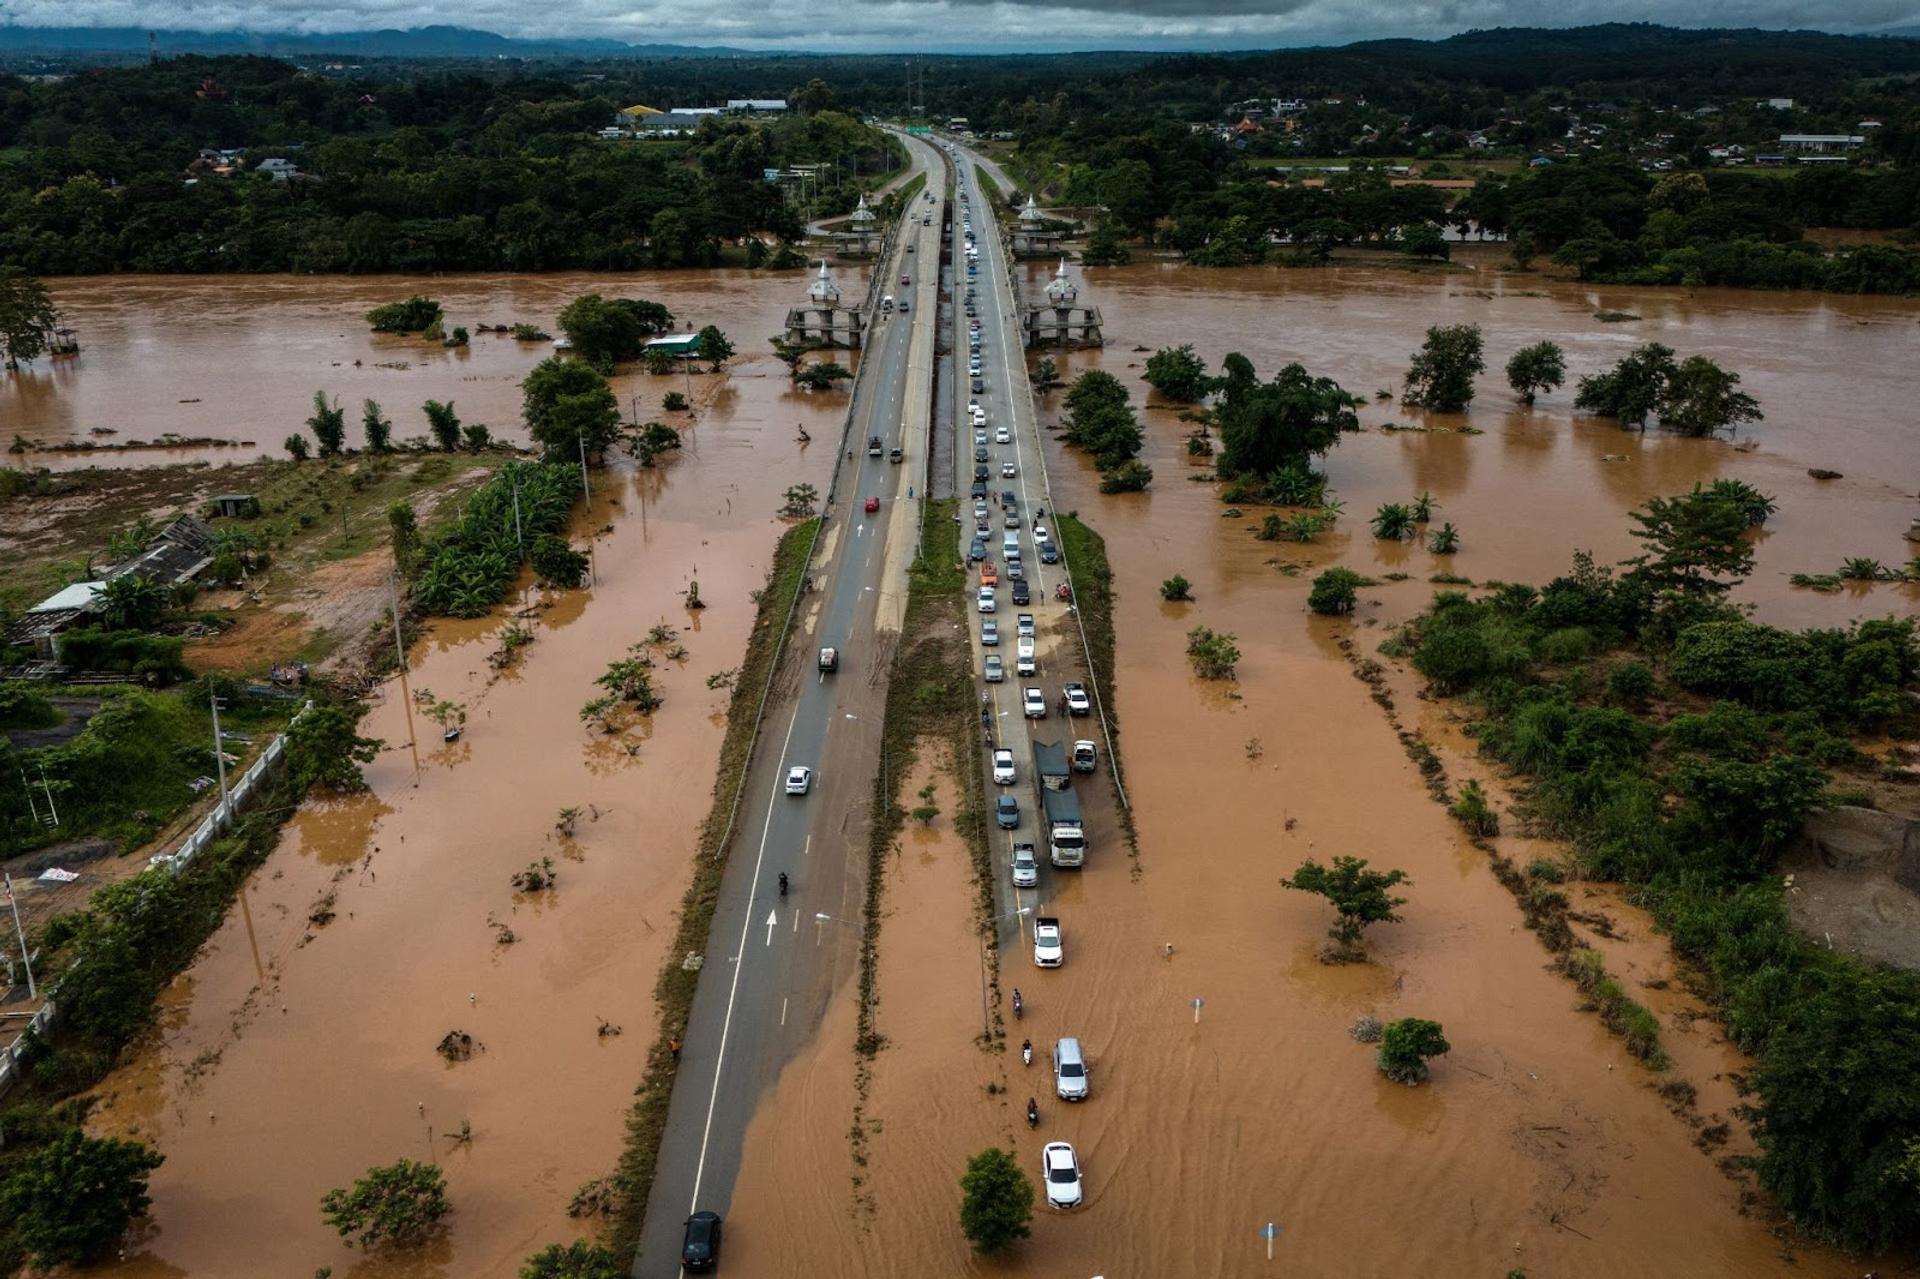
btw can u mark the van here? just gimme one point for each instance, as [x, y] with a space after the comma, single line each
[886, 305]
[1010, 542]
[1069, 1071]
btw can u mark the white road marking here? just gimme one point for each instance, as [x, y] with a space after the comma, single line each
[773, 921]
[783, 1003]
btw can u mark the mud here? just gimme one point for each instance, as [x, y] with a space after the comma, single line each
[296, 1053]
[238, 358]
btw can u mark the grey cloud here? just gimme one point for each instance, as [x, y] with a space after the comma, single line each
[908, 25]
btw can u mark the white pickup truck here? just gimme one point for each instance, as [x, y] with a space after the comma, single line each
[1049, 950]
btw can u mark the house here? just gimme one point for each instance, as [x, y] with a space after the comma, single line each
[685, 346]
[1289, 106]
[1777, 104]
[235, 506]
[278, 168]
[39, 627]
[1821, 142]
[176, 554]
[755, 106]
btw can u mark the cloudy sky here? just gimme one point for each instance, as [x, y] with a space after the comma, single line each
[881, 25]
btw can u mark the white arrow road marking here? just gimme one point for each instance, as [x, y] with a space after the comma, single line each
[773, 918]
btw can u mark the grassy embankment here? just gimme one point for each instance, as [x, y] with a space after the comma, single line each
[930, 702]
[674, 988]
[991, 189]
[1084, 554]
[1680, 757]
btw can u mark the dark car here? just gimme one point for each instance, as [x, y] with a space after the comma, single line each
[980, 476]
[1006, 811]
[700, 1247]
[978, 551]
[978, 386]
[1007, 500]
[1049, 553]
[1021, 595]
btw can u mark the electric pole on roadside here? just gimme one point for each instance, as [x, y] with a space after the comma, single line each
[21, 933]
[220, 756]
[400, 651]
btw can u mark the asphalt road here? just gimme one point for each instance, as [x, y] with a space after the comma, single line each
[772, 963]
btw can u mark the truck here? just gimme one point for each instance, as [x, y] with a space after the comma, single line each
[1085, 756]
[874, 447]
[1066, 837]
[1076, 695]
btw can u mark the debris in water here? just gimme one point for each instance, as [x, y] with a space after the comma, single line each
[457, 1045]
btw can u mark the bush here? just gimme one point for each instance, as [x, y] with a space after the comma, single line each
[581, 1259]
[1212, 653]
[21, 706]
[89, 649]
[1335, 592]
[72, 1200]
[1473, 812]
[1569, 644]
[1176, 588]
[1405, 1046]
[1630, 683]
[556, 563]
[415, 315]
[400, 1203]
[1128, 477]
[996, 1201]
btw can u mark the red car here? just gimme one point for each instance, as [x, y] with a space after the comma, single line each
[905, 280]
[873, 504]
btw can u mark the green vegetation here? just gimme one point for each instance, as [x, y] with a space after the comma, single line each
[1473, 811]
[399, 1204]
[1695, 397]
[402, 169]
[1212, 653]
[1359, 897]
[1176, 588]
[674, 985]
[415, 315]
[329, 426]
[470, 567]
[1688, 802]
[1536, 368]
[608, 331]
[1442, 371]
[568, 406]
[1405, 1046]
[1178, 374]
[1100, 419]
[1271, 432]
[996, 1201]
[1335, 592]
[581, 1259]
[1084, 554]
[71, 1200]
[324, 750]
[555, 562]
[26, 316]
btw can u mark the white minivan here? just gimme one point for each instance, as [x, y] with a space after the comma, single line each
[985, 599]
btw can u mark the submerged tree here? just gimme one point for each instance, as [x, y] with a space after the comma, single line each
[71, 1200]
[26, 316]
[399, 1204]
[329, 425]
[1405, 1046]
[1631, 389]
[1696, 543]
[1536, 368]
[1442, 371]
[996, 1201]
[324, 750]
[1178, 374]
[1359, 897]
[1268, 426]
[568, 405]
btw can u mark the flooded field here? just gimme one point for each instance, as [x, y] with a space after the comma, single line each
[296, 1053]
[1540, 1144]
[239, 357]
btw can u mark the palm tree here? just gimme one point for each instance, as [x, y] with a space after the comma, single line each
[1445, 540]
[1393, 522]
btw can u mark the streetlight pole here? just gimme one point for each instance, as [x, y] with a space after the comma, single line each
[220, 757]
[25, 958]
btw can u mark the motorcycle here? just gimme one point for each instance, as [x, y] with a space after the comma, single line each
[1019, 1008]
[1026, 1052]
[783, 883]
[1033, 1113]
[1063, 592]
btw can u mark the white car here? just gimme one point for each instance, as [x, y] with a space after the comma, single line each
[1061, 1171]
[1033, 703]
[1002, 437]
[1040, 533]
[985, 601]
[994, 671]
[1002, 760]
[979, 437]
[1026, 867]
[1048, 949]
[799, 779]
[1077, 700]
[1023, 624]
[1006, 471]
[990, 633]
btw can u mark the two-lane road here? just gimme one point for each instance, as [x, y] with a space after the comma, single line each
[770, 967]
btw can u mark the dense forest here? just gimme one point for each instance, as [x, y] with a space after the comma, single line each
[443, 172]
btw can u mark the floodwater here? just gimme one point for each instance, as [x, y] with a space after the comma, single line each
[295, 1055]
[239, 357]
[1540, 1144]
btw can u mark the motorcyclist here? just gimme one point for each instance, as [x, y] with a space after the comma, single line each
[1026, 1051]
[1033, 1113]
[783, 883]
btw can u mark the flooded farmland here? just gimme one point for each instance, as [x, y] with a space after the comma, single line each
[300, 1048]
[1541, 1145]
[294, 1055]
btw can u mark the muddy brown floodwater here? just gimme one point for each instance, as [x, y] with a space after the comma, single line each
[294, 1055]
[239, 357]
[1540, 1143]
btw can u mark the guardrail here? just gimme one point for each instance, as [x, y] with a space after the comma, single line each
[175, 862]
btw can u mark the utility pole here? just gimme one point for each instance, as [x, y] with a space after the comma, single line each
[21, 933]
[400, 651]
[519, 537]
[220, 756]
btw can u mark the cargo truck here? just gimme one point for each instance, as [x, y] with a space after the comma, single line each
[1066, 838]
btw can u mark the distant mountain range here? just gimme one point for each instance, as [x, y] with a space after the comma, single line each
[419, 42]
